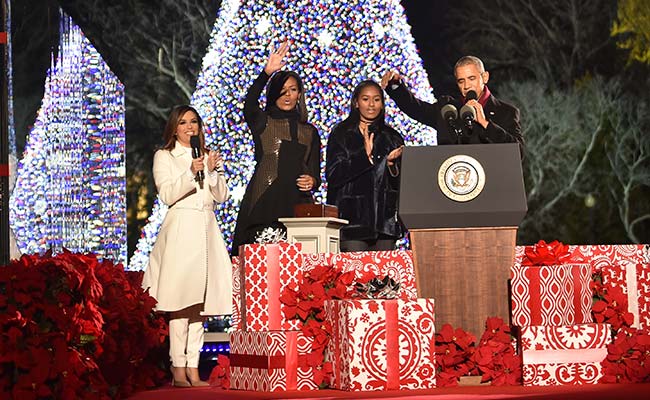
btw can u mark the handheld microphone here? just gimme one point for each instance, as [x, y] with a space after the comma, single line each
[195, 142]
[467, 112]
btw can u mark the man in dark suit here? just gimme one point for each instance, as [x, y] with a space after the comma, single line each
[493, 121]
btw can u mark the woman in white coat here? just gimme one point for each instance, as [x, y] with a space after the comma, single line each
[189, 271]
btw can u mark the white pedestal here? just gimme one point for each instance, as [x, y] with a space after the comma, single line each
[316, 234]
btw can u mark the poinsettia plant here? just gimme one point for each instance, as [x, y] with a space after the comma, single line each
[72, 326]
[493, 359]
[306, 302]
[220, 375]
[628, 355]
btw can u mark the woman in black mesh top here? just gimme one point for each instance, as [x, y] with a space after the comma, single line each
[287, 151]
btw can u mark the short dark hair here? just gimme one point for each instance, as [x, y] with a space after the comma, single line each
[470, 60]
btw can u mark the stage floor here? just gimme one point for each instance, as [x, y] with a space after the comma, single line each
[591, 392]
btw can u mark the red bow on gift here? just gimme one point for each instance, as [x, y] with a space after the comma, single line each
[543, 253]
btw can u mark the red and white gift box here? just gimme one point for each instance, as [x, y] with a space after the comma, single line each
[626, 266]
[270, 361]
[382, 344]
[397, 264]
[266, 269]
[563, 355]
[551, 295]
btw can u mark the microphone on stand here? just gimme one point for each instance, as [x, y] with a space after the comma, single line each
[195, 142]
[449, 113]
[467, 112]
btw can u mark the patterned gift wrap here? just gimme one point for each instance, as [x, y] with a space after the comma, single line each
[600, 255]
[270, 361]
[265, 271]
[563, 355]
[552, 295]
[396, 264]
[625, 266]
[382, 344]
[235, 318]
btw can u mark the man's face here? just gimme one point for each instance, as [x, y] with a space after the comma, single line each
[469, 77]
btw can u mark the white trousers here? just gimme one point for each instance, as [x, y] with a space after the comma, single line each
[185, 342]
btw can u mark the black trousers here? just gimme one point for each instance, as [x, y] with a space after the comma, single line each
[381, 243]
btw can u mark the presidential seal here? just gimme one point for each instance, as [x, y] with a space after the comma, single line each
[461, 178]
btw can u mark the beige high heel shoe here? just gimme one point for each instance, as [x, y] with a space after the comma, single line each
[177, 372]
[193, 376]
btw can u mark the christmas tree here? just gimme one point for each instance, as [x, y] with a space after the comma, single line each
[71, 187]
[334, 46]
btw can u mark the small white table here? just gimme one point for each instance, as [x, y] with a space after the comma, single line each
[316, 234]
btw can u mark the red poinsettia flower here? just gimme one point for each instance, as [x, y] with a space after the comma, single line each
[323, 373]
[612, 309]
[496, 330]
[220, 375]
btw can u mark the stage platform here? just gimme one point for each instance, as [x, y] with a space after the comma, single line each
[591, 392]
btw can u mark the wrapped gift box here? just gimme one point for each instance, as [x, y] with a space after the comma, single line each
[266, 269]
[235, 318]
[382, 344]
[397, 264]
[551, 295]
[563, 355]
[270, 361]
[600, 255]
[626, 266]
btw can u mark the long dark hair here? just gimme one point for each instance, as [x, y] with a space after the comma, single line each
[274, 91]
[169, 134]
[354, 116]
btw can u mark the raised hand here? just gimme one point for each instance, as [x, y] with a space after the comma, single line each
[276, 61]
[389, 76]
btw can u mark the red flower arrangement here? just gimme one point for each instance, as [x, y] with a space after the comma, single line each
[494, 358]
[74, 327]
[628, 356]
[306, 302]
[220, 375]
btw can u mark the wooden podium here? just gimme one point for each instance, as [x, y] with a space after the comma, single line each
[462, 206]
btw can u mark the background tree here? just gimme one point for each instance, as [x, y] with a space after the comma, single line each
[632, 29]
[586, 164]
[553, 41]
[156, 51]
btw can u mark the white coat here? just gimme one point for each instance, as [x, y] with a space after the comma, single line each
[189, 263]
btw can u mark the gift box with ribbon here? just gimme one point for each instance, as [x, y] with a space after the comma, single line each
[266, 269]
[381, 344]
[598, 256]
[270, 361]
[626, 266]
[397, 264]
[563, 355]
